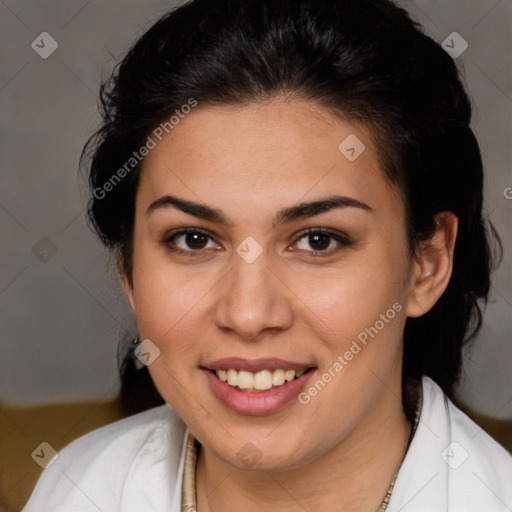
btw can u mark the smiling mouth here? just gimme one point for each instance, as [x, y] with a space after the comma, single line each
[261, 381]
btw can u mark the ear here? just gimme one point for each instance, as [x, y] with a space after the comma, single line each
[433, 267]
[128, 288]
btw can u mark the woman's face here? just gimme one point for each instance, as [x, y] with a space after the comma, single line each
[250, 291]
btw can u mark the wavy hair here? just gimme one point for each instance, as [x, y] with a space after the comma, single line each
[363, 59]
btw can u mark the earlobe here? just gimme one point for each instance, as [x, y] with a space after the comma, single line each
[433, 268]
[128, 288]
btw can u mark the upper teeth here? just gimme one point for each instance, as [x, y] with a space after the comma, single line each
[260, 381]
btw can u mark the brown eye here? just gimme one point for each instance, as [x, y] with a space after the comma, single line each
[196, 240]
[319, 242]
[189, 241]
[322, 242]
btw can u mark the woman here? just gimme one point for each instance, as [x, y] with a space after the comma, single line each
[294, 196]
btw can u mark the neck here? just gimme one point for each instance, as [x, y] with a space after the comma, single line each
[348, 478]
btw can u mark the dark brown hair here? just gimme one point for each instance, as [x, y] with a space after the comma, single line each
[365, 59]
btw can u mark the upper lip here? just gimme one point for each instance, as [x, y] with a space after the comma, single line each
[254, 365]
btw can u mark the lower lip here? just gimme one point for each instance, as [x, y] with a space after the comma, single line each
[260, 402]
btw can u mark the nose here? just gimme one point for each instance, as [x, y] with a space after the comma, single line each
[254, 300]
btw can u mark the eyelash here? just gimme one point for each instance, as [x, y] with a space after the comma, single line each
[341, 238]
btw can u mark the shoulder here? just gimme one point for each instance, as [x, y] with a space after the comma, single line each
[451, 464]
[464, 432]
[132, 464]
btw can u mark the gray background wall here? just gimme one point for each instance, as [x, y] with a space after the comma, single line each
[61, 307]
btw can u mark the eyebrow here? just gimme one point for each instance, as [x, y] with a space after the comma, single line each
[284, 216]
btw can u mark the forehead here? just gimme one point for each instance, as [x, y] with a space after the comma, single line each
[264, 152]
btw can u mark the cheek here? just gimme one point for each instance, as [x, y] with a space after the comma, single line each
[165, 295]
[166, 300]
[343, 303]
[170, 313]
[358, 318]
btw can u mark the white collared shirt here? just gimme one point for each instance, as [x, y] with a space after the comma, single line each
[136, 465]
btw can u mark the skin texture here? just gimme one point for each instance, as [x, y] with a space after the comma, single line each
[251, 161]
